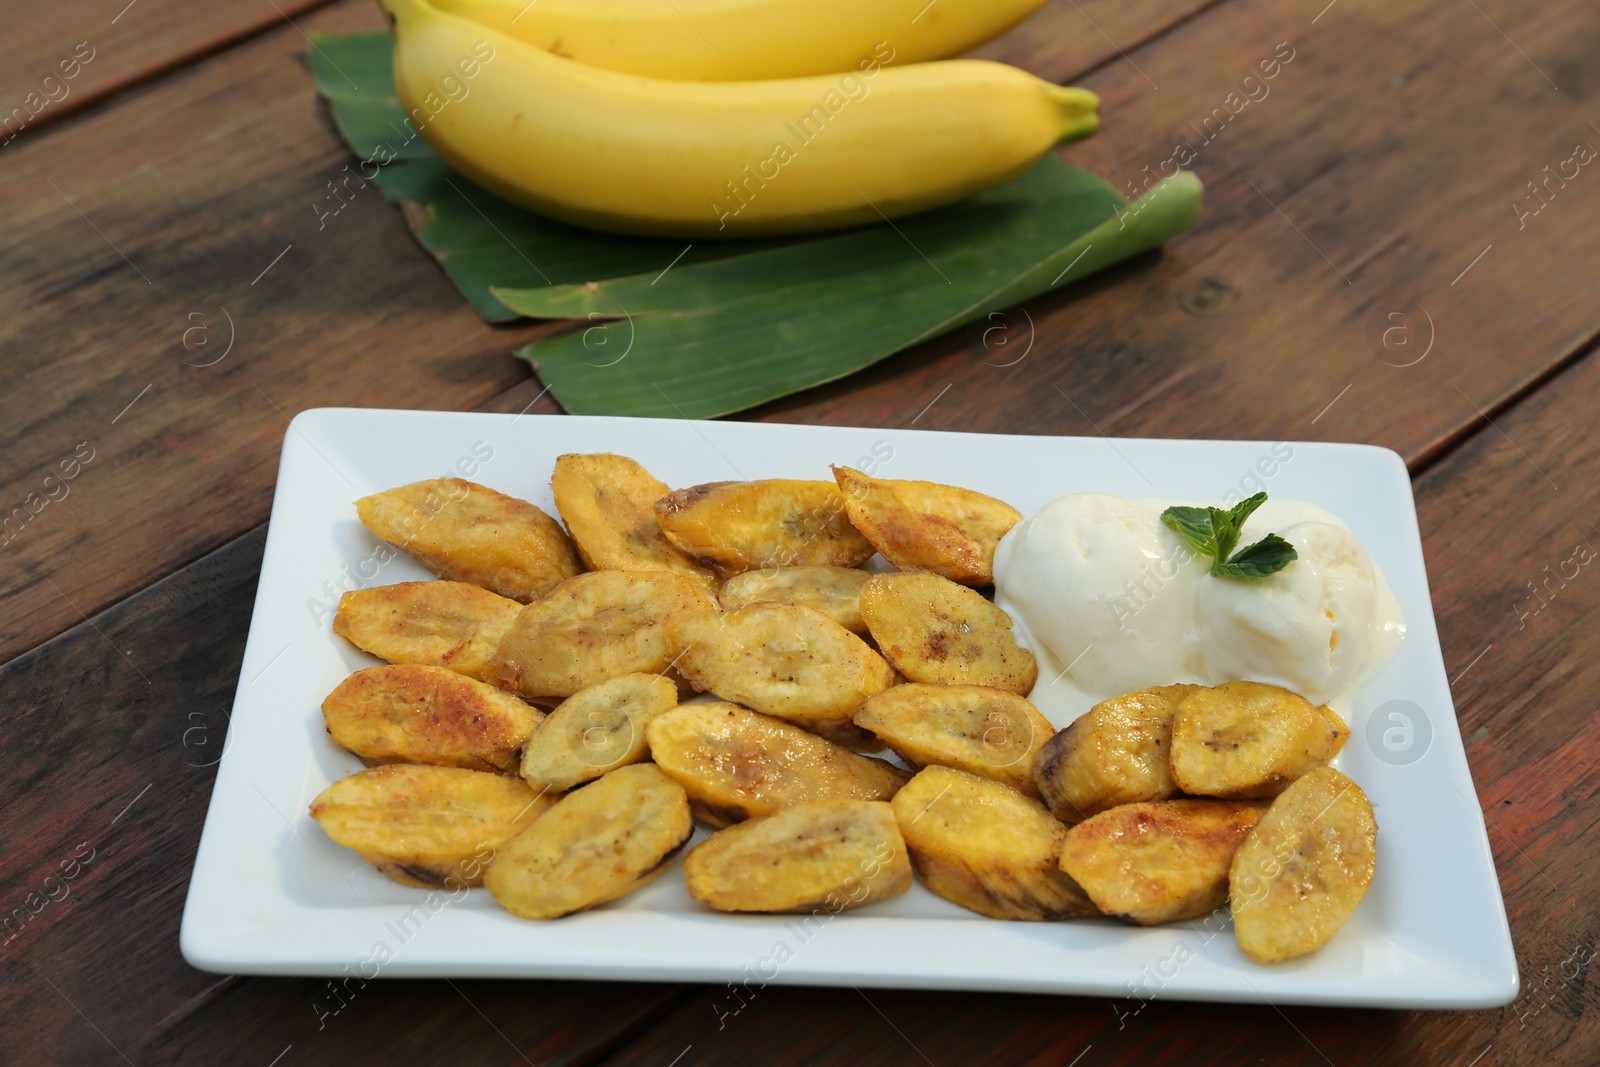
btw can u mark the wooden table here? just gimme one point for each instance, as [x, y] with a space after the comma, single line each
[1389, 253]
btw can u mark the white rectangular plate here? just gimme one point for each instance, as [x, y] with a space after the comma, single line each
[271, 894]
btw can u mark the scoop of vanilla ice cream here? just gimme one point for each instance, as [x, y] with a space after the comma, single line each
[1099, 582]
[1310, 627]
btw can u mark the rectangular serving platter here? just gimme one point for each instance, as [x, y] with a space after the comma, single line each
[272, 894]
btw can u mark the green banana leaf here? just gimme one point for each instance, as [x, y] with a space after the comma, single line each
[705, 328]
[709, 339]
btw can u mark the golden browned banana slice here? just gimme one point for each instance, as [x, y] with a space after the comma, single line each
[975, 728]
[597, 844]
[427, 826]
[1249, 739]
[434, 624]
[1115, 753]
[608, 504]
[412, 714]
[1160, 861]
[592, 628]
[834, 591]
[932, 630]
[1304, 869]
[823, 857]
[738, 764]
[469, 533]
[986, 847]
[794, 663]
[925, 526]
[596, 730]
[779, 522]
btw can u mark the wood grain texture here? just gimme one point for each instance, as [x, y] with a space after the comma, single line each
[62, 57]
[1066, 38]
[122, 720]
[1377, 165]
[202, 181]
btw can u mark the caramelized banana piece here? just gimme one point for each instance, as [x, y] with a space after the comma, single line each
[433, 624]
[738, 764]
[427, 826]
[412, 714]
[608, 504]
[794, 663]
[925, 526]
[1304, 869]
[823, 856]
[1115, 753]
[467, 532]
[978, 729]
[834, 591]
[1161, 861]
[779, 522]
[1249, 739]
[596, 730]
[597, 844]
[986, 847]
[592, 628]
[932, 630]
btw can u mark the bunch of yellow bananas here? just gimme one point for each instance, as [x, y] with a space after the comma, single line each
[726, 117]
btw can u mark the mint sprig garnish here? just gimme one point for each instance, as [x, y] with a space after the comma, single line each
[1214, 532]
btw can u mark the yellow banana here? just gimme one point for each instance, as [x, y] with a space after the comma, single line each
[674, 158]
[739, 40]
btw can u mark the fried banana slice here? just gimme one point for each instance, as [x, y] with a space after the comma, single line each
[467, 532]
[1115, 753]
[1249, 739]
[427, 826]
[984, 731]
[608, 504]
[925, 526]
[794, 663]
[596, 730]
[986, 847]
[413, 714]
[932, 630]
[1304, 869]
[826, 856]
[1160, 861]
[600, 843]
[738, 764]
[778, 522]
[432, 624]
[592, 628]
[834, 591]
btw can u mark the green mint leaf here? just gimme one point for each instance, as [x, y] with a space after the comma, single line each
[1214, 532]
[1244, 509]
[1229, 525]
[1226, 536]
[1267, 556]
[1194, 526]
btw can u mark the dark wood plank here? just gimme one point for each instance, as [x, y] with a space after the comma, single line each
[1491, 523]
[203, 179]
[414, 1022]
[1066, 38]
[1374, 143]
[62, 57]
[97, 722]
[113, 730]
